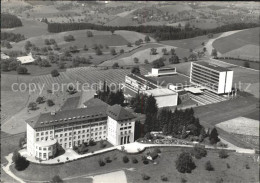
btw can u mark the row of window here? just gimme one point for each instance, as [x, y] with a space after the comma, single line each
[125, 132]
[43, 133]
[44, 148]
[127, 127]
[81, 136]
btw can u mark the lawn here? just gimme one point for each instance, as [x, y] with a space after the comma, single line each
[237, 40]
[165, 166]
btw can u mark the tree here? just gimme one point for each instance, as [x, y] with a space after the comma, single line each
[185, 59]
[125, 159]
[146, 61]
[112, 31]
[22, 70]
[203, 44]
[113, 51]
[137, 43]
[158, 63]
[40, 100]
[153, 51]
[129, 45]
[151, 105]
[173, 51]
[135, 70]
[13, 65]
[56, 179]
[193, 56]
[213, 137]
[22, 142]
[122, 51]
[4, 66]
[32, 106]
[147, 39]
[50, 102]
[164, 51]
[21, 163]
[89, 34]
[223, 154]
[208, 166]
[85, 48]
[199, 152]
[174, 59]
[204, 49]
[214, 53]
[52, 41]
[184, 163]
[69, 38]
[210, 35]
[15, 156]
[55, 73]
[246, 64]
[136, 60]
[115, 65]
[47, 42]
[98, 51]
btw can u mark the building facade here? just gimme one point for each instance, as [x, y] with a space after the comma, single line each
[70, 128]
[157, 72]
[213, 77]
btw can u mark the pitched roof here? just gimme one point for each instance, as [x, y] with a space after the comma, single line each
[118, 113]
[71, 103]
[95, 102]
[26, 59]
[67, 116]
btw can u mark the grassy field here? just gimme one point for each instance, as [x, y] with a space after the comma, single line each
[253, 65]
[237, 40]
[165, 166]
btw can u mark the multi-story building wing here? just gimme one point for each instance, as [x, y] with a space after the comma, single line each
[70, 128]
[213, 77]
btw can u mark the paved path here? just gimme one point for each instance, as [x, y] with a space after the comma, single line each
[7, 168]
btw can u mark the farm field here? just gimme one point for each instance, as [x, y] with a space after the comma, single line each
[253, 65]
[192, 43]
[30, 28]
[81, 39]
[141, 55]
[167, 159]
[248, 38]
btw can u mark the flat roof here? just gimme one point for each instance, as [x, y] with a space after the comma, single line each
[174, 79]
[142, 79]
[212, 66]
[46, 143]
[160, 92]
[193, 90]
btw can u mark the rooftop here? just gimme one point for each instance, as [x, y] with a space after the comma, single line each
[71, 103]
[161, 92]
[212, 66]
[66, 116]
[46, 143]
[138, 77]
[118, 113]
[95, 102]
[175, 79]
[26, 59]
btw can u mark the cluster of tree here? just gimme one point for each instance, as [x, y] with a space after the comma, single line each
[42, 62]
[158, 32]
[20, 162]
[10, 21]
[6, 44]
[55, 73]
[185, 163]
[80, 60]
[73, 49]
[110, 97]
[179, 123]
[10, 64]
[159, 62]
[69, 38]
[12, 37]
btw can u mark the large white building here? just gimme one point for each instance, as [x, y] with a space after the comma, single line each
[70, 128]
[213, 77]
[157, 72]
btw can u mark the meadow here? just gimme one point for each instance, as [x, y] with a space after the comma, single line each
[239, 44]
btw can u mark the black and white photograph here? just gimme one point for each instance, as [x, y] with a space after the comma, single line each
[129, 91]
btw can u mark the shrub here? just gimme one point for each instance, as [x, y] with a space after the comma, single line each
[134, 160]
[184, 163]
[145, 177]
[21, 163]
[40, 100]
[246, 64]
[129, 45]
[223, 154]
[69, 38]
[108, 160]
[208, 166]
[56, 179]
[113, 51]
[32, 106]
[247, 166]
[89, 34]
[101, 162]
[157, 150]
[50, 103]
[199, 152]
[164, 178]
[228, 166]
[183, 180]
[125, 159]
[22, 70]
[102, 144]
[122, 51]
[145, 161]
[115, 65]
[55, 73]
[92, 142]
[98, 51]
